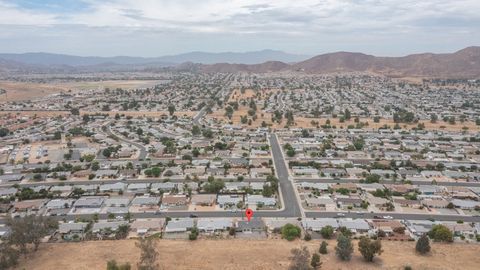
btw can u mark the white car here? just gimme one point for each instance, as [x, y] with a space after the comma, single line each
[340, 214]
[387, 217]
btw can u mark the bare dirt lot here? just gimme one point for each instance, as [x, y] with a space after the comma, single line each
[304, 122]
[245, 254]
[237, 94]
[143, 113]
[16, 91]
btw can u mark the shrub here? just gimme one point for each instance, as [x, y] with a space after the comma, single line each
[440, 233]
[423, 245]
[368, 248]
[327, 232]
[290, 232]
[323, 248]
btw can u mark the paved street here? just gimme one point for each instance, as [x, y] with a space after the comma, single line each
[349, 180]
[292, 208]
[141, 148]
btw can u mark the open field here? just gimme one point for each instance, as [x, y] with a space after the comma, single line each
[237, 94]
[304, 122]
[143, 113]
[16, 91]
[111, 113]
[245, 254]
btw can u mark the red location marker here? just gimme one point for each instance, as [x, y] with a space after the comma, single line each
[249, 214]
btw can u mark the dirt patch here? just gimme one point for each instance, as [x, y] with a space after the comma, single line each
[232, 254]
[17, 91]
[143, 113]
[237, 95]
[304, 122]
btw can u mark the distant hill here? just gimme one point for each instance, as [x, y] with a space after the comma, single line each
[271, 66]
[251, 58]
[461, 64]
[49, 59]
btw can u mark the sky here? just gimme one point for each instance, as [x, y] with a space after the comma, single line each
[165, 27]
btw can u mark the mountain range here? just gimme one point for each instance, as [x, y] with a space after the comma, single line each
[464, 63]
[256, 57]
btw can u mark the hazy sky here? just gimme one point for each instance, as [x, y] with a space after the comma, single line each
[160, 27]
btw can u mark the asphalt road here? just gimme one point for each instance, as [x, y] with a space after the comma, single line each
[198, 116]
[108, 181]
[347, 180]
[141, 148]
[292, 208]
[272, 214]
[395, 216]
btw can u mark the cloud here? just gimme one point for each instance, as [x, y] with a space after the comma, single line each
[267, 23]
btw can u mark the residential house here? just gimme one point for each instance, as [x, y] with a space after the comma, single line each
[213, 225]
[72, 230]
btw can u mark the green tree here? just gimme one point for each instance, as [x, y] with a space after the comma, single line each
[291, 152]
[344, 248]
[122, 231]
[171, 109]
[347, 114]
[345, 231]
[156, 171]
[88, 158]
[372, 178]
[369, 248]
[75, 111]
[4, 132]
[196, 130]
[95, 166]
[207, 133]
[290, 232]
[440, 233]
[106, 152]
[214, 186]
[423, 245]
[29, 231]
[193, 234]
[315, 262]
[323, 248]
[327, 232]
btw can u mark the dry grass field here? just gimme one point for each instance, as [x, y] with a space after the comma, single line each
[244, 254]
[237, 95]
[34, 114]
[17, 91]
[143, 113]
[304, 122]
